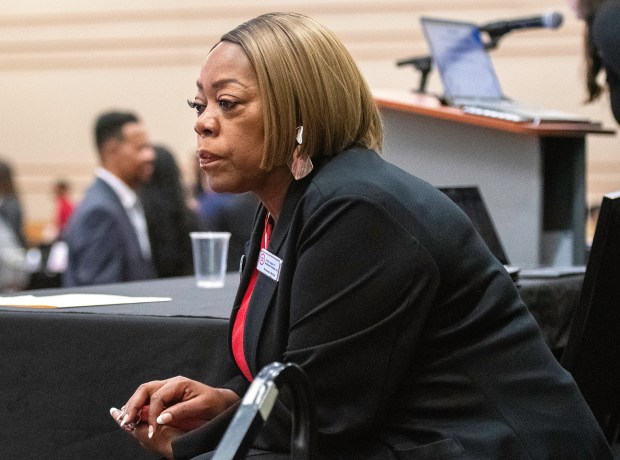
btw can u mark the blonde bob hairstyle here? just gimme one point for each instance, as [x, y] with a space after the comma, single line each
[307, 78]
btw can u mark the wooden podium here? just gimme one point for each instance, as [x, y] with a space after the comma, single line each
[531, 175]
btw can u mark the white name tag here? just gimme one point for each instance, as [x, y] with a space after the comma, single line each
[269, 265]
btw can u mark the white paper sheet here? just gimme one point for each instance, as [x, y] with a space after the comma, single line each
[74, 300]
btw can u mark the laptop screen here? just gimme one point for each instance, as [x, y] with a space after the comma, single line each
[464, 65]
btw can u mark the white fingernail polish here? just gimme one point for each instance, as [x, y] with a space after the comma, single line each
[164, 418]
[151, 431]
[125, 419]
[112, 409]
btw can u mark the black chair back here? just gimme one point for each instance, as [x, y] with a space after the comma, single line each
[256, 407]
[592, 354]
[469, 199]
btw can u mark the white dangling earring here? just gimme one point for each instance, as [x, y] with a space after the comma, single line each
[300, 165]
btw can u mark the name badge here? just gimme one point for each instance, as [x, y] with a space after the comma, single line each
[269, 264]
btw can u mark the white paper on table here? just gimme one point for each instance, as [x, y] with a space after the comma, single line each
[75, 300]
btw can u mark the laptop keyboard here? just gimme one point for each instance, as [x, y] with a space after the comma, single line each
[494, 113]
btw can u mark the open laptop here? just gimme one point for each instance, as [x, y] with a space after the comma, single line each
[468, 76]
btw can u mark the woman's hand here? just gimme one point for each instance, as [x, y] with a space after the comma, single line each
[175, 402]
[160, 444]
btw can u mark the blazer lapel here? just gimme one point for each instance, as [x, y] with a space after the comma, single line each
[265, 288]
[250, 259]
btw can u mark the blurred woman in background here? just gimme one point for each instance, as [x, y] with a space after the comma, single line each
[602, 47]
[168, 217]
[10, 206]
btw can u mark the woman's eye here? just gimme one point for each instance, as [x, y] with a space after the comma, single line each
[197, 106]
[226, 104]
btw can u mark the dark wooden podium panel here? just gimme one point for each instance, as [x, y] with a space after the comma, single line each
[531, 175]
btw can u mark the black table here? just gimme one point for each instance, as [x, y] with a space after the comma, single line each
[62, 369]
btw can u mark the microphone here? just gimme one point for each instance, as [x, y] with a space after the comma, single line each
[551, 20]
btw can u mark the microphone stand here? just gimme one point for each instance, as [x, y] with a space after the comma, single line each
[424, 64]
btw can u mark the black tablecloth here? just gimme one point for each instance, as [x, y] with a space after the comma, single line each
[187, 299]
[62, 369]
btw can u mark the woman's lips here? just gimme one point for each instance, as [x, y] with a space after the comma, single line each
[206, 157]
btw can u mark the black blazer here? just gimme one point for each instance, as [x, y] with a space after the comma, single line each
[413, 335]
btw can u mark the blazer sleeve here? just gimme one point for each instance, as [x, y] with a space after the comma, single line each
[205, 438]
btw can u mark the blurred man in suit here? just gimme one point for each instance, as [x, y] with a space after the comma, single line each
[107, 234]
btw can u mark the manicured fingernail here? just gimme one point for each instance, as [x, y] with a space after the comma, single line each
[130, 427]
[125, 419]
[151, 431]
[112, 410]
[164, 418]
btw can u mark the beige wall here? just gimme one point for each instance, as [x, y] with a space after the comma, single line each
[63, 62]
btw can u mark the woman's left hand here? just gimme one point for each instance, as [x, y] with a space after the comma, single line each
[160, 444]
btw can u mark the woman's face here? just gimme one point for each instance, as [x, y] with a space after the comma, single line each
[230, 122]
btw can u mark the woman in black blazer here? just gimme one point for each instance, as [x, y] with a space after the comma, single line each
[412, 334]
